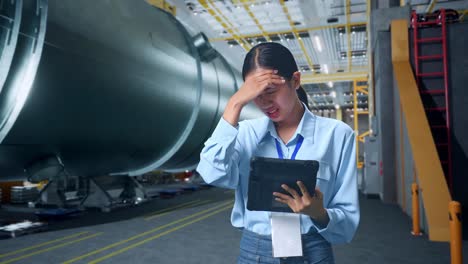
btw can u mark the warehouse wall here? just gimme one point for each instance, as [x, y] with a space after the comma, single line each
[384, 94]
[458, 69]
[383, 82]
[404, 165]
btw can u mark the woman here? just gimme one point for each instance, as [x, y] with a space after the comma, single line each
[331, 215]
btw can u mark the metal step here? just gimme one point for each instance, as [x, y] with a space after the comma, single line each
[428, 40]
[427, 23]
[441, 91]
[430, 74]
[436, 109]
[431, 57]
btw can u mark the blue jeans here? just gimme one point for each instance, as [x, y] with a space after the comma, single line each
[255, 248]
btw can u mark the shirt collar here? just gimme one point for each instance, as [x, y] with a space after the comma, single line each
[306, 127]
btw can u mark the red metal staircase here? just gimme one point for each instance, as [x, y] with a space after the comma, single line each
[431, 71]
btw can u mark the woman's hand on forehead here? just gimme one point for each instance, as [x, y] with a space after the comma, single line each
[258, 82]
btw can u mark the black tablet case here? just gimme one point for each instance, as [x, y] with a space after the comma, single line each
[267, 175]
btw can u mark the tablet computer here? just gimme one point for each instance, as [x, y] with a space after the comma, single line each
[268, 174]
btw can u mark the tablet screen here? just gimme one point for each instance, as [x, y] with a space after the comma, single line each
[268, 174]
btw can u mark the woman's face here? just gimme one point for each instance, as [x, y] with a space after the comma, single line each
[277, 101]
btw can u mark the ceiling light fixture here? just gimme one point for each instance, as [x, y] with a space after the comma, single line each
[318, 44]
[325, 68]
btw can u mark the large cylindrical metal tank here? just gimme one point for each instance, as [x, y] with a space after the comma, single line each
[120, 88]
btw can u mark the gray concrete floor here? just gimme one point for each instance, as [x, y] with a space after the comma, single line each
[201, 233]
[198, 233]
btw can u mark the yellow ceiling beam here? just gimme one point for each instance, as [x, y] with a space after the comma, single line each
[296, 34]
[348, 31]
[362, 91]
[308, 78]
[281, 32]
[217, 14]
[247, 9]
[431, 6]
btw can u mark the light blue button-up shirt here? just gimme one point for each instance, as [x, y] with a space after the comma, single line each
[225, 162]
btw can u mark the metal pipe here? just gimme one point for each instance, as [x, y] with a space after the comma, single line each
[11, 11]
[122, 95]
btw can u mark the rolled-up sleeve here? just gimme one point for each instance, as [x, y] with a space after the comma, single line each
[219, 159]
[343, 209]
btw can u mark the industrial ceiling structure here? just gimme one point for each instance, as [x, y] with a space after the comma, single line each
[329, 38]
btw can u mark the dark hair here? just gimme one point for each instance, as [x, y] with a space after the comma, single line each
[302, 94]
[270, 55]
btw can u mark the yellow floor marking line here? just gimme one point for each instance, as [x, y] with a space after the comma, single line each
[142, 234]
[157, 236]
[40, 245]
[183, 207]
[49, 249]
[170, 208]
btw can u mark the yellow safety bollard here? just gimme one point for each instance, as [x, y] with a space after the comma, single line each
[416, 228]
[455, 232]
